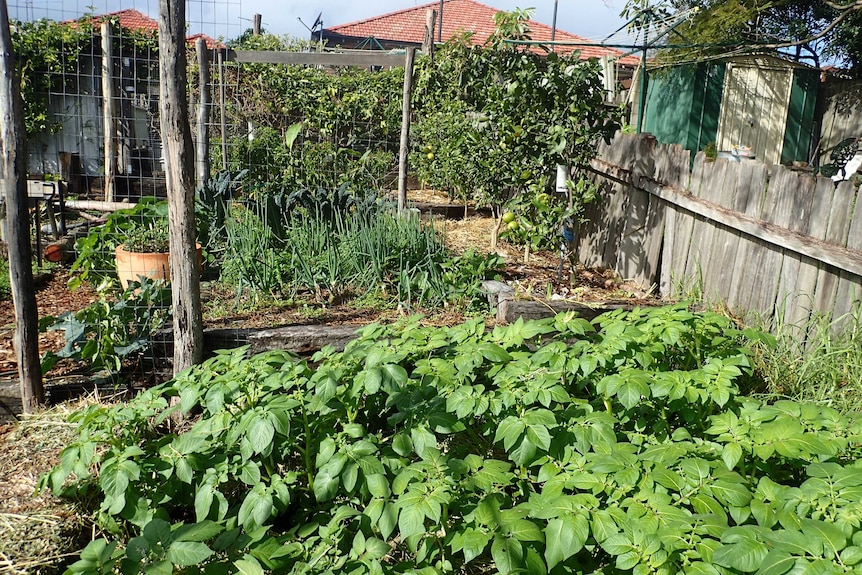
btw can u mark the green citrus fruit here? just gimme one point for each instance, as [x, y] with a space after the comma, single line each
[513, 226]
[508, 217]
[430, 155]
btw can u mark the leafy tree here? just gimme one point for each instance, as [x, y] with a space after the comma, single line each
[495, 120]
[816, 31]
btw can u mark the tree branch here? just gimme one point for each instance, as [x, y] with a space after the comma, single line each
[845, 10]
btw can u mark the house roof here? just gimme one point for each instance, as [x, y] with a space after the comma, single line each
[131, 19]
[461, 16]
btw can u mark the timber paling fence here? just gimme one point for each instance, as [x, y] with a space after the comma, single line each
[780, 243]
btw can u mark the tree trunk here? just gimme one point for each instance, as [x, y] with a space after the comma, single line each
[14, 187]
[179, 175]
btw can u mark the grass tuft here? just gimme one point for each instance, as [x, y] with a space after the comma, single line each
[823, 366]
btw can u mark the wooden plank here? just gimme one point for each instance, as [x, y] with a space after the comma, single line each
[711, 239]
[725, 239]
[836, 234]
[751, 184]
[840, 257]
[202, 146]
[109, 111]
[674, 222]
[510, 310]
[180, 178]
[777, 211]
[711, 176]
[806, 279]
[613, 221]
[631, 258]
[788, 299]
[405, 129]
[686, 222]
[850, 285]
[362, 58]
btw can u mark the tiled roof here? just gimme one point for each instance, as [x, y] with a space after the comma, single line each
[211, 43]
[461, 16]
[131, 19]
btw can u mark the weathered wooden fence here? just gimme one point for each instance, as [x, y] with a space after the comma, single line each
[764, 239]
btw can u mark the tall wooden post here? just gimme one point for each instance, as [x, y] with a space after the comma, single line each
[405, 129]
[13, 185]
[179, 175]
[202, 151]
[428, 42]
[223, 104]
[255, 26]
[109, 110]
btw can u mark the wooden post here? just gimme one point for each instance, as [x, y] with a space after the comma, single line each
[223, 97]
[179, 175]
[428, 42]
[202, 152]
[440, 30]
[13, 185]
[109, 111]
[255, 29]
[405, 129]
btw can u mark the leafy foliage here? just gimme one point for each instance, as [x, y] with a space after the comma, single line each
[498, 119]
[556, 446]
[813, 31]
[95, 261]
[349, 122]
[50, 54]
[111, 330]
[334, 243]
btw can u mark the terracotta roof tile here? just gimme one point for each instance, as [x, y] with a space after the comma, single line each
[131, 19]
[461, 16]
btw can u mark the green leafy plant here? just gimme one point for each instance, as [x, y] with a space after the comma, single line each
[151, 237]
[495, 121]
[95, 261]
[554, 446]
[110, 330]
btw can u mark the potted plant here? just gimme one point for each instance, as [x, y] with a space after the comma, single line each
[145, 252]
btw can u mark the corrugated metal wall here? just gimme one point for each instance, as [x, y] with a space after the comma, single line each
[683, 105]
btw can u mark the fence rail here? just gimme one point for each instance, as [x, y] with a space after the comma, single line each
[771, 240]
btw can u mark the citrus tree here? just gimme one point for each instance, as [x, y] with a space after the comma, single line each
[495, 120]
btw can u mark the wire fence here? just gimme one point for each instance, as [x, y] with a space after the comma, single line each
[281, 140]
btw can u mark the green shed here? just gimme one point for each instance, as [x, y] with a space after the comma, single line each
[759, 102]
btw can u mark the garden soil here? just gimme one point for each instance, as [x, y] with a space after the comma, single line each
[39, 533]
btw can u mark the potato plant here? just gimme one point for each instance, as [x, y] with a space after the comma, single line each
[557, 446]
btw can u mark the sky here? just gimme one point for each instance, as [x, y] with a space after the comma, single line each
[592, 19]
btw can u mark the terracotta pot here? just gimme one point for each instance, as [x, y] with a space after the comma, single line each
[154, 266]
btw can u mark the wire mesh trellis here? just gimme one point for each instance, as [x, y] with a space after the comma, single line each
[298, 134]
[93, 132]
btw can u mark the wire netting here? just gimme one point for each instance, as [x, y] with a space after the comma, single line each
[93, 133]
[282, 140]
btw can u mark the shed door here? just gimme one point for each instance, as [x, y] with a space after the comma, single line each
[754, 110]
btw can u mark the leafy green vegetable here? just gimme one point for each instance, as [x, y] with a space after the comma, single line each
[555, 446]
